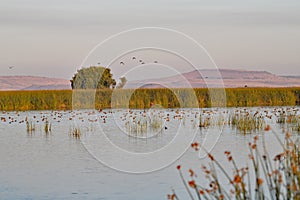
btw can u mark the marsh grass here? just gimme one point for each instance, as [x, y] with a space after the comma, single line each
[289, 119]
[47, 127]
[205, 121]
[30, 126]
[75, 132]
[142, 124]
[241, 120]
[247, 122]
[266, 178]
[143, 98]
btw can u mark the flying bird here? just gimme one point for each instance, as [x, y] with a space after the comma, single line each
[155, 61]
[121, 63]
[133, 58]
[11, 67]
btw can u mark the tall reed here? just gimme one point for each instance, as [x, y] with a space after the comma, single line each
[267, 178]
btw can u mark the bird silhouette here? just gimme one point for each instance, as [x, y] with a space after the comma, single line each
[133, 58]
[155, 61]
[122, 63]
[11, 67]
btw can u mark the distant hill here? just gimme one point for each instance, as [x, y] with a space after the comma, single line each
[33, 83]
[231, 79]
[197, 79]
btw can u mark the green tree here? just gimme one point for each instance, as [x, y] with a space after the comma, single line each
[93, 78]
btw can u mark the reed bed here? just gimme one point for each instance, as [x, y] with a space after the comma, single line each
[268, 177]
[144, 98]
[247, 122]
[144, 123]
[251, 120]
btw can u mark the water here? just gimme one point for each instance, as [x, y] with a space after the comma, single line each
[56, 165]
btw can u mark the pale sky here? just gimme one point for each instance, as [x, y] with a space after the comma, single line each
[51, 38]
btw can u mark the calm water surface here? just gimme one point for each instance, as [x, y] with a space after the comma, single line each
[57, 166]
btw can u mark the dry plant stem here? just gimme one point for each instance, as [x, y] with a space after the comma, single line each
[176, 197]
[249, 184]
[214, 174]
[219, 165]
[259, 188]
[185, 185]
[264, 167]
[268, 165]
[255, 170]
[197, 192]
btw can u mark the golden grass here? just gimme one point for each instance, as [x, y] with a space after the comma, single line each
[145, 98]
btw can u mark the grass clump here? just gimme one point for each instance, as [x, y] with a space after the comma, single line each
[47, 127]
[75, 132]
[139, 124]
[30, 126]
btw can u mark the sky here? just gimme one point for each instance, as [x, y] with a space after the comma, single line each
[52, 38]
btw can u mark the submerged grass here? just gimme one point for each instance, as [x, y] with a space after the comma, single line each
[75, 132]
[30, 127]
[142, 123]
[47, 127]
[246, 122]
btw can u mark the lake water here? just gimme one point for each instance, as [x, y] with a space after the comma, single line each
[115, 157]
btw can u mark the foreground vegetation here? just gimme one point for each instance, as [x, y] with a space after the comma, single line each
[266, 177]
[144, 98]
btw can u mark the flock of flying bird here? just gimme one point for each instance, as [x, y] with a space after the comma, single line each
[140, 61]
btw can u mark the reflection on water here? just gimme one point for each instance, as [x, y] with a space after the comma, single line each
[54, 165]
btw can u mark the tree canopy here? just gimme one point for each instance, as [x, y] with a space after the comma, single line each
[93, 78]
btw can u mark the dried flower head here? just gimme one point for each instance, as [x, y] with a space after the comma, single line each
[192, 173]
[195, 146]
[201, 192]
[268, 128]
[211, 157]
[171, 196]
[237, 179]
[192, 184]
[259, 181]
